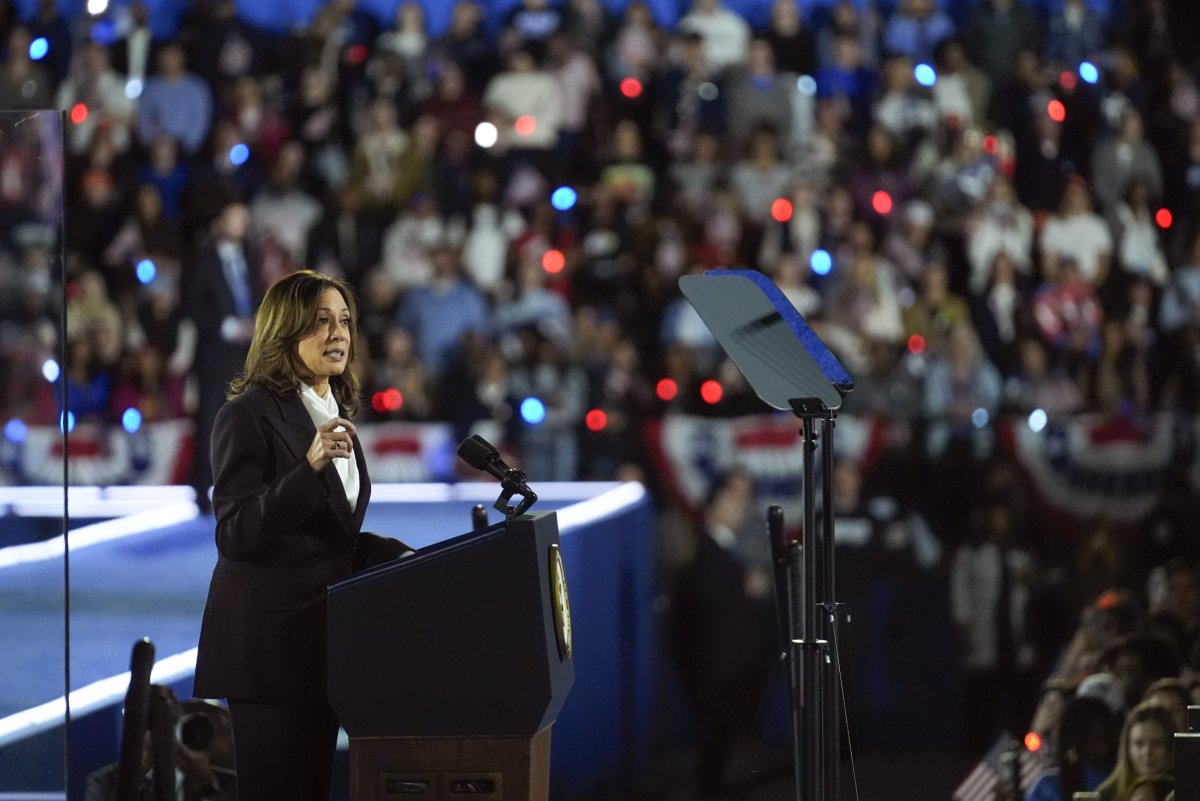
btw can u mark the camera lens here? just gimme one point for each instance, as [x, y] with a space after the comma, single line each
[194, 732]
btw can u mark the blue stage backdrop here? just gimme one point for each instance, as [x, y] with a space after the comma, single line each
[152, 582]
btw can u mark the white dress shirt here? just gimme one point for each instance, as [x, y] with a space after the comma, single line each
[322, 410]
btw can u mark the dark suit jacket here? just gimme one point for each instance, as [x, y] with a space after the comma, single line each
[207, 300]
[283, 534]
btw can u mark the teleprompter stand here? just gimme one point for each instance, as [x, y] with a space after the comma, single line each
[789, 367]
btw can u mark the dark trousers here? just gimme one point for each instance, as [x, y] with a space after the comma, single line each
[283, 751]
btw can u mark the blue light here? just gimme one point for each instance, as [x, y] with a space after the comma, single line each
[38, 48]
[238, 154]
[15, 430]
[563, 198]
[1088, 72]
[925, 74]
[1037, 420]
[146, 271]
[104, 31]
[980, 417]
[821, 262]
[131, 420]
[70, 422]
[533, 411]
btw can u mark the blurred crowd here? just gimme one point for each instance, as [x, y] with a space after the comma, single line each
[988, 205]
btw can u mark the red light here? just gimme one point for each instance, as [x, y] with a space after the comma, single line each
[631, 88]
[781, 209]
[79, 113]
[596, 420]
[991, 144]
[666, 389]
[1067, 80]
[916, 344]
[1056, 110]
[711, 391]
[1164, 218]
[387, 400]
[356, 54]
[553, 261]
[1033, 741]
[525, 125]
[881, 201]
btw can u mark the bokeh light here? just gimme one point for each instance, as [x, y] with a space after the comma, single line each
[131, 419]
[563, 198]
[15, 430]
[553, 261]
[533, 411]
[781, 209]
[525, 125]
[821, 262]
[486, 134]
[666, 389]
[711, 391]
[596, 420]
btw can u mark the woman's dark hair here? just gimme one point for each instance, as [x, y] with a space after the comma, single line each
[1085, 722]
[287, 315]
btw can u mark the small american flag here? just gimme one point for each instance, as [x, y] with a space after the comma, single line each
[992, 779]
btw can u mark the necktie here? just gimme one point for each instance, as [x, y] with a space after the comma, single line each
[235, 275]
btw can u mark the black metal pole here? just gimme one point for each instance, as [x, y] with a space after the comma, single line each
[832, 683]
[810, 652]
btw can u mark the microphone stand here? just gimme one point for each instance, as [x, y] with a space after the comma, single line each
[513, 483]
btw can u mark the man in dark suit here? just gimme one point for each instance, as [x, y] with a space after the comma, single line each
[220, 293]
[291, 490]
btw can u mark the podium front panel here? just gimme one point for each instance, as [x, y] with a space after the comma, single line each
[459, 640]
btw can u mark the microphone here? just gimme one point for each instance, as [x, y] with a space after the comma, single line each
[137, 714]
[483, 455]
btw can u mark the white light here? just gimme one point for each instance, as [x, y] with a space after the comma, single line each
[806, 85]
[95, 7]
[1037, 420]
[980, 417]
[50, 370]
[133, 88]
[708, 91]
[486, 134]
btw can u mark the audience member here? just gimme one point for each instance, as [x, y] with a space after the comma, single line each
[175, 102]
[1144, 750]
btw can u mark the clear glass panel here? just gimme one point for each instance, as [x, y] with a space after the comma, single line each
[33, 569]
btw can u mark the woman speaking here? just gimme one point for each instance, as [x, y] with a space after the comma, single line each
[290, 491]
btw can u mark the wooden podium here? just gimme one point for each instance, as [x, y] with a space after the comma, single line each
[448, 668]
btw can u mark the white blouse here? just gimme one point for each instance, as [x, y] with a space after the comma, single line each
[322, 410]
